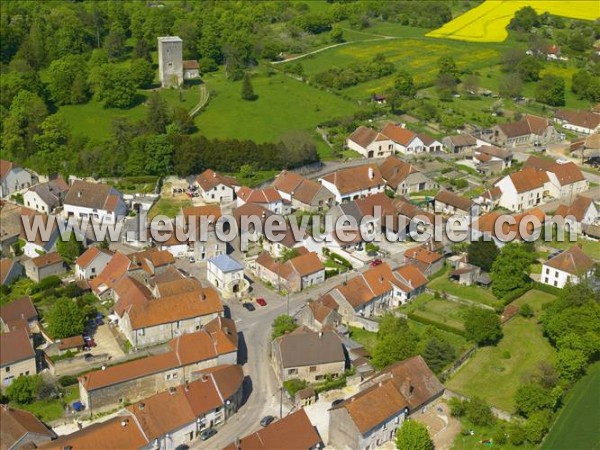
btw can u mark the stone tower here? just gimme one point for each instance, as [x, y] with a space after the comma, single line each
[170, 61]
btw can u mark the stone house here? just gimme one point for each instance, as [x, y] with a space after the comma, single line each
[582, 211]
[268, 198]
[308, 355]
[569, 266]
[409, 142]
[451, 204]
[529, 130]
[44, 266]
[10, 270]
[320, 313]
[187, 357]
[353, 183]
[425, 258]
[304, 194]
[460, 143]
[565, 179]
[371, 417]
[294, 275]
[404, 178]
[22, 430]
[41, 242]
[17, 357]
[45, 197]
[370, 143]
[96, 201]
[91, 263]
[18, 313]
[214, 187]
[584, 122]
[12, 178]
[226, 274]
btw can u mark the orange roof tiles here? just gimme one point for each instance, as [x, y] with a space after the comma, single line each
[353, 179]
[86, 258]
[573, 261]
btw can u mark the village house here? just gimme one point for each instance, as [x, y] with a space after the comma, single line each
[425, 258]
[96, 201]
[451, 204]
[44, 266]
[12, 178]
[522, 190]
[268, 198]
[116, 268]
[584, 122]
[10, 270]
[582, 211]
[320, 313]
[22, 429]
[293, 275]
[565, 179]
[371, 417]
[206, 244]
[10, 227]
[46, 197]
[226, 274]
[468, 274]
[409, 142]
[91, 263]
[489, 200]
[370, 143]
[488, 225]
[308, 355]
[191, 69]
[569, 266]
[529, 130]
[40, 244]
[460, 143]
[304, 194]
[185, 361]
[148, 263]
[214, 187]
[17, 356]
[376, 291]
[148, 321]
[404, 178]
[294, 431]
[491, 160]
[354, 182]
[169, 419]
[19, 313]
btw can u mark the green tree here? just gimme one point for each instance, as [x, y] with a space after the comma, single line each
[157, 113]
[529, 68]
[471, 84]
[510, 86]
[52, 145]
[438, 353]
[571, 364]
[180, 116]
[283, 324]
[70, 248]
[337, 35]
[483, 253]
[247, 89]
[482, 326]
[510, 270]
[447, 65]
[114, 43]
[24, 389]
[114, 87]
[526, 311]
[551, 90]
[479, 412]
[142, 73]
[413, 436]
[67, 80]
[26, 114]
[446, 85]
[524, 19]
[532, 397]
[65, 319]
[537, 426]
[395, 341]
[288, 253]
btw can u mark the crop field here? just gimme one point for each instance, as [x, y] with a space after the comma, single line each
[488, 21]
[577, 425]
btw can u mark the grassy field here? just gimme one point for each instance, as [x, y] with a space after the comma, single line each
[438, 310]
[536, 299]
[577, 425]
[167, 206]
[284, 104]
[364, 337]
[94, 121]
[488, 21]
[495, 373]
[473, 293]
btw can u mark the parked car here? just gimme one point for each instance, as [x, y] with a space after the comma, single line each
[266, 421]
[88, 357]
[376, 262]
[207, 434]
[89, 342]
[78, 406]
[261, 301]
[336, 402]
[249, 306]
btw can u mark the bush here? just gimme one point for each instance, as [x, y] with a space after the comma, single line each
[294, 385]
[340, 260]
[24, 389]
[50, 282]
[479, 412]
[458, 407]
[441, 326]
[67, 380]
[331, 383]
[526, 311]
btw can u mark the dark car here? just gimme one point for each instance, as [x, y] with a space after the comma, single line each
[261, 301]
[207, 434]
[89, 342]
[78, 406]
[336, 402]
[249, 306]
[376, 262]
[266, 421]
[88, 357]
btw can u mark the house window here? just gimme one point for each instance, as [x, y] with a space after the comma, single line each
[312, 369]
[7, 369]
[555, 283]
[547, 271]
[319, 377]
[292, 371]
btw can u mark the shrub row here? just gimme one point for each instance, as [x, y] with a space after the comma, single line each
[441, 326]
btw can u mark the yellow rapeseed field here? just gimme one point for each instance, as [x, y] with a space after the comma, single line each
[488, 21]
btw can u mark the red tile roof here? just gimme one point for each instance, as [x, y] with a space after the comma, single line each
[86, 258]
[452, 199]
[573, 261]
[528, 179]
[114, 270]
[577, 209]
[209, 179]
[16, 424]
[353, 179]
[18, 309]
[15, 346]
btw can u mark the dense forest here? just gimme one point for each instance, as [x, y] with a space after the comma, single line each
[58, 53]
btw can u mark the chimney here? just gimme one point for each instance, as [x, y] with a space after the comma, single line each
[142, 406]
[78, 194]
[187, 386]
[320, 334]
[371, 173]
[124, 422]
[103, 367]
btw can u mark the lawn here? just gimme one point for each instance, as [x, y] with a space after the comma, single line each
[364, 337]
[284, 104]
[536, 299]
[94, 121]
[488, 21]
[577, 424]
[472, 293]
[591, 248]
[167, 206]
[49, 410]
[495, 373]
[438, 310]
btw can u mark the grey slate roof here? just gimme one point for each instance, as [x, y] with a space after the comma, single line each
[226, 263]
[310, 349]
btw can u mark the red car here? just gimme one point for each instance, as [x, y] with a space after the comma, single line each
[376, 262]
[89, 342]
[261, 301]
